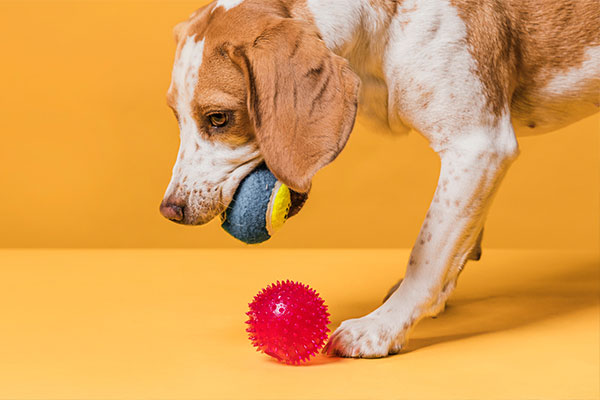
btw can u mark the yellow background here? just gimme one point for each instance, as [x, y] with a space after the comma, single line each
[88, 146]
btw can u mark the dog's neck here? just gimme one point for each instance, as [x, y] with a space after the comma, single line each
[353, 29]
[358, 31]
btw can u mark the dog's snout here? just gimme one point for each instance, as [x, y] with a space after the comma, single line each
[172, 211]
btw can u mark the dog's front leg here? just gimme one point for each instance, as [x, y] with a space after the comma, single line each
[472, 167]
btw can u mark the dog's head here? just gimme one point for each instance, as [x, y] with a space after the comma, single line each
[252, 84]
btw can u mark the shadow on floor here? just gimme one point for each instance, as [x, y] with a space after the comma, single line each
[510, 304]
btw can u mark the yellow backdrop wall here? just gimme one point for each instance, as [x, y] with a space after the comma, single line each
[88, 145]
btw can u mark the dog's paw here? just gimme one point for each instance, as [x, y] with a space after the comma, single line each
[367, 337]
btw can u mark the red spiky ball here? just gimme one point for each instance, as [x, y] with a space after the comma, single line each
[288, 321]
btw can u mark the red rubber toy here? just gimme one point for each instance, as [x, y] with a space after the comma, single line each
[288, 321]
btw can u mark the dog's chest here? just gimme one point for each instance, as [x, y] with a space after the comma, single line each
[366, 52]
[374, 96]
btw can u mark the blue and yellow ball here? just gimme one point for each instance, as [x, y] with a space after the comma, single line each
[260, 206]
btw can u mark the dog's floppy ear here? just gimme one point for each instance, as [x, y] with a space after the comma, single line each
[302, 99]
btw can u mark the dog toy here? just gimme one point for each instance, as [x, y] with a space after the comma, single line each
[288, 321]
[260, 206]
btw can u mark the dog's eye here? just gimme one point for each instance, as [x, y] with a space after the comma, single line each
[218, 119]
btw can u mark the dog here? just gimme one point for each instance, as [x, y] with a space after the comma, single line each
[280, 82]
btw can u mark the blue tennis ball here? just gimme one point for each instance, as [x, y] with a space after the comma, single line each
[260, 206]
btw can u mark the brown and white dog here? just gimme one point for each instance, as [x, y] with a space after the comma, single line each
[279, 81]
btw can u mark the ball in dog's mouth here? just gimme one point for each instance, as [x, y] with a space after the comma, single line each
[260, 207]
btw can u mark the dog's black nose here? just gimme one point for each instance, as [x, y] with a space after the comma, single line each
[171, 211]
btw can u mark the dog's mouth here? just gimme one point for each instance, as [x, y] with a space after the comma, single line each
[297, 201]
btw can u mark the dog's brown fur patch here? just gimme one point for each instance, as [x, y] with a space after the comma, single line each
[520, 45]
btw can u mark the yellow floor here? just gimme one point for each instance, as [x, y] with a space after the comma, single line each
[132, 324]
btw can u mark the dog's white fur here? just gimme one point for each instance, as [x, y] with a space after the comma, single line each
[420, 51]
[575, 78]
[228, 4]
